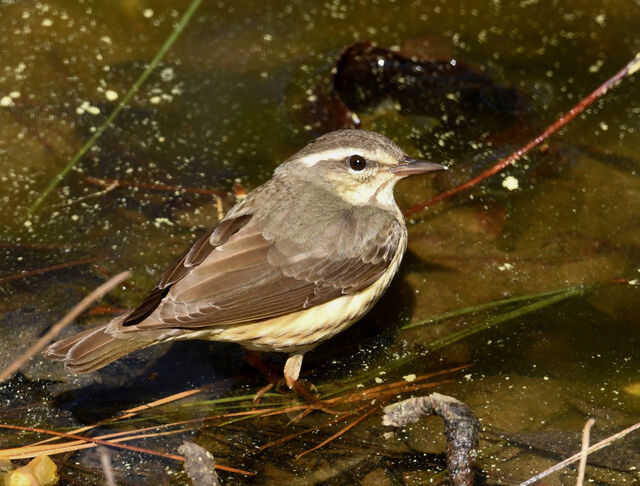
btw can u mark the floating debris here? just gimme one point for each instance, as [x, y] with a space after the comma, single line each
[460, 430]
[199, 464]
[41, 471]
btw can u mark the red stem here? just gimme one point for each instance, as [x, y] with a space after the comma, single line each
[632, 66]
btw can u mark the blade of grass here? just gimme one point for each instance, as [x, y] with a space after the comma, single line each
[506, 316]
[186, 17]
[553, 296]
[482, 307]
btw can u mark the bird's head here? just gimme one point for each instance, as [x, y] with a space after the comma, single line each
[359, 166]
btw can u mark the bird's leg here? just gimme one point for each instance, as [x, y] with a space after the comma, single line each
[292, 369]
[291, 374]
[254, 359]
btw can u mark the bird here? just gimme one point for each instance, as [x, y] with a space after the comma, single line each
[295, 262]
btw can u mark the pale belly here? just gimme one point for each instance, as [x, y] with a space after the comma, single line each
[303, 330]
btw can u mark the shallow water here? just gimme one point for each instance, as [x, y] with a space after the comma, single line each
[230, 101]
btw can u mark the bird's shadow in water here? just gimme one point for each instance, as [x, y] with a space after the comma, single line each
[135, 380]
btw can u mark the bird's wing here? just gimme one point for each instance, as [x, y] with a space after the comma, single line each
[233, 274]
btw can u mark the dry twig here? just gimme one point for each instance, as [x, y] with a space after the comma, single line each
[628, 70]
[570, 460]
[64, 322]
[583, 453]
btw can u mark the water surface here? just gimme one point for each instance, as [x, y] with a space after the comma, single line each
[226, 105]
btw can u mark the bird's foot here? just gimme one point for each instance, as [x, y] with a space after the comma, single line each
[255, 360]
[258, 396]
[308, 392]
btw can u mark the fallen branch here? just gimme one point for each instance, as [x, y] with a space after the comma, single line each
[460, 430]
[628, 70]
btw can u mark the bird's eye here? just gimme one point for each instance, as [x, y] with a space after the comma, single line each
[357, 162]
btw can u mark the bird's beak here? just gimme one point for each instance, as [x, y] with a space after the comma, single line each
[415, 166]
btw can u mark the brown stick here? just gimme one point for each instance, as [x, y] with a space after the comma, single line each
[59, 266]
[341, 431]
[152, 187]
[595, 447]
[629, 69]
[60, 325]
[583, 453]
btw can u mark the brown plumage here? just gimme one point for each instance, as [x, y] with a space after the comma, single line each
[299, 259]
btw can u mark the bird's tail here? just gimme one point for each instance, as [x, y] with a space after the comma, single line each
[94, 348]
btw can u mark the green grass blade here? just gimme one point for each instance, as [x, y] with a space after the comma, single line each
[506, 316]
[186, 17]
[481, 307]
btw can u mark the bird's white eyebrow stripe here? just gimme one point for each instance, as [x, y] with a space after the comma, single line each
[334, 154]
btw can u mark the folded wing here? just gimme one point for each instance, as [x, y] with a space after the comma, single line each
[233, 274]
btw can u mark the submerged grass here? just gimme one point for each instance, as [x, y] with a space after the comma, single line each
[553, 298]
[486, 306]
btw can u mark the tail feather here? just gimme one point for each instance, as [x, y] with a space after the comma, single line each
[94, 348]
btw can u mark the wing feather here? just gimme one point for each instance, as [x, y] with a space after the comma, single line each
[234, 274]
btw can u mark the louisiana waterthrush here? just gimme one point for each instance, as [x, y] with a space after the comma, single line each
[298, 260]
